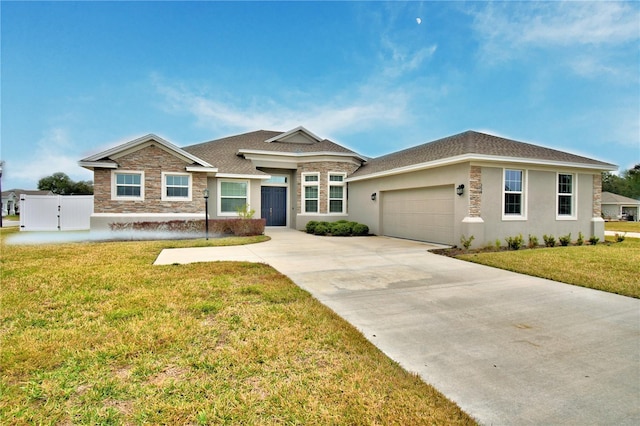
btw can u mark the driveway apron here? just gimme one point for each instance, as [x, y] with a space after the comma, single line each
[507, 348]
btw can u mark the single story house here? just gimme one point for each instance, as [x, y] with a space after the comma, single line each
[470, 184]
[619, 207]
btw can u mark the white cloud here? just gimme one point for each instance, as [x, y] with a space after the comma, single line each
[369, 107]
[515, 29]
[54, 152]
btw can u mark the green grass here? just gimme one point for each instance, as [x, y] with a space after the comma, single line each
[93, 333]
[622, 226]
[612, 267]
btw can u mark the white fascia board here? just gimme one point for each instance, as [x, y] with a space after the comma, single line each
[250, 152]
[241, 176]
[538, 162]
[97, 164]
[291, 132]
[201, 169]
[479, 158]
[128, 146]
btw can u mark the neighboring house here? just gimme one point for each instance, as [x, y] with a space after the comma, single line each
[11, 199]
[468, 184]
[619, 207]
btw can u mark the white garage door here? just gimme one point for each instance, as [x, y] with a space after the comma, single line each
[424, 214]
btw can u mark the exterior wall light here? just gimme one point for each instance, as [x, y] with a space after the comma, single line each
[374, 196]
[460, 189]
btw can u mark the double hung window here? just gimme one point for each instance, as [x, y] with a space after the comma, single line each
[127, 185]
[336, 193]
[514, 195]
[565, 196]
[176, 186]
[311, 192]
[233, 196]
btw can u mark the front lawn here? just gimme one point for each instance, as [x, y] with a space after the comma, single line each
[93, 333]
[612, 267]
[622, 226]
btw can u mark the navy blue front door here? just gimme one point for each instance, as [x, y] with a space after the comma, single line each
[274, 205]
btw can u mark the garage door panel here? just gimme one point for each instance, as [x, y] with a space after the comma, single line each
[424, 214]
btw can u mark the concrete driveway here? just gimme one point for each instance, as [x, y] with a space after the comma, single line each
[507, 348]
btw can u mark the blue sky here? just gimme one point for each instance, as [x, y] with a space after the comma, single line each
[80, 77]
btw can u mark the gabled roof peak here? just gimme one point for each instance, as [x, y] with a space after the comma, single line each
[297, 135]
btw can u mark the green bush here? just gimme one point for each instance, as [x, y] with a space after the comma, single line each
[565, 240]
[311, 226]
[514, 243]
[360, 229]
[549, 240]
[620, 237]
[533, 241]
[593, 240]
[322, 228]
[580, 240]
[341, 229]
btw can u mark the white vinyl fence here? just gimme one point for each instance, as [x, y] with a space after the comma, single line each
[55, 212]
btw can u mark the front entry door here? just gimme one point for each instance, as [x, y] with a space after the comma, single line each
[274, 205]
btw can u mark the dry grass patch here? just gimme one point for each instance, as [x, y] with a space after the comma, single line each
[611, 267]
[93, 333]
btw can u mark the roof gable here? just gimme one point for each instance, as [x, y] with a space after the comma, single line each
[230, 154]
[107, 158]
[473, 146]
[297, 135]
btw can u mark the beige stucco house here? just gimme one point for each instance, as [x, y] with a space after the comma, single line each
[467, 184]
[619, 207]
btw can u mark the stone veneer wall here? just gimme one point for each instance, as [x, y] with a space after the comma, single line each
[323, 168]
[475, 191]
[597, 195]
[153, 161]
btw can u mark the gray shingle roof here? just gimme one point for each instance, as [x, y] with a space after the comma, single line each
[222, 153]
[469, 143]
[611, 198]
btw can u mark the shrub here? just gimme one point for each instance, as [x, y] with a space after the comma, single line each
[244, 212]
[549, 240]
[466, 242]
[620, 237]
[311, 226]
[580, 240]
[360, 229]
[498, 244]
[341, 229]
[533, 241]
[514, 243]
[565, 240]
[593, 240]
[322, 228]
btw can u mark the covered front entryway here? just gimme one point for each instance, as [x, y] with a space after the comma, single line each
[424, 214]
[274, 205]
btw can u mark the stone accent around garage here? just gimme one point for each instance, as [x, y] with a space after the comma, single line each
[475, 191]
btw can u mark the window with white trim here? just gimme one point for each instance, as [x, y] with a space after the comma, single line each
[513, 195]
[232, 195]
[311, 192]
[176, 186]
[565, 195]
[337, 193]
[127, 185]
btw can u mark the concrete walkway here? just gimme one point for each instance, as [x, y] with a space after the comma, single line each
[508, 348]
